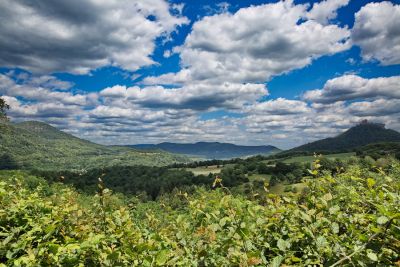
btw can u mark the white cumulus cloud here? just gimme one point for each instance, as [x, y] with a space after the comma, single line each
[377, 31]
[254, 44]
[350, 87]
[326, 10]
[81, 35]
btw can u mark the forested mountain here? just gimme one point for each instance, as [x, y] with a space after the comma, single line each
[211, 150]
[38, 145]
[360, 135]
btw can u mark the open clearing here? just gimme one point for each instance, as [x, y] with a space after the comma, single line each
[206, 170]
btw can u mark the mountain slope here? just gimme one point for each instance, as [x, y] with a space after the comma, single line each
[211, 150]
[39, 145]
[378, 150]
[360, 135]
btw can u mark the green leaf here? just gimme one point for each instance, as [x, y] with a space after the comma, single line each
[382, 220]
[334, 209]
[295, 259]
[162, 257]
[283, 245]
[372, 256]
[306, 216]
[335, 227]
[321, 242]
[276, 262]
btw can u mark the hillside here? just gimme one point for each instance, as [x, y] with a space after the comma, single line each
[39, 145]
[378, 150]
[211, 150]
[357, 136]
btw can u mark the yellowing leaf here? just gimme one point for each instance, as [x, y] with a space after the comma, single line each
[327, 197]
[370, 182]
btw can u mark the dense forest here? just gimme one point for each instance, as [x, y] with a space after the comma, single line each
[147, 182]
[151, 182]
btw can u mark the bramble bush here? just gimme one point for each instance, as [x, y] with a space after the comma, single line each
[349, 219]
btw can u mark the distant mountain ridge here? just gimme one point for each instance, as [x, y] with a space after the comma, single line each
[362, 134]
[210, 150]
[34, 144]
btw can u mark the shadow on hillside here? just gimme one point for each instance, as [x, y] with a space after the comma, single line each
[7, 162]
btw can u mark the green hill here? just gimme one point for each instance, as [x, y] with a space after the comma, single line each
[378, 150]
[34, 144]
[357, 136]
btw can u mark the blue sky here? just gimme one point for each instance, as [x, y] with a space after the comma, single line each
[248, 72]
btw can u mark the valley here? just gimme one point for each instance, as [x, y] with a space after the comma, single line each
[210, 150]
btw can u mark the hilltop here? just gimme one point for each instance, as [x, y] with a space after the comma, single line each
[211, 150]
[35, 144]
[362, 134]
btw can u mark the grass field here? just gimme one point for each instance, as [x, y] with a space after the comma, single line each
[205, 170]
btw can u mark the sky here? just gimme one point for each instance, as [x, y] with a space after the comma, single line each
[282, 73]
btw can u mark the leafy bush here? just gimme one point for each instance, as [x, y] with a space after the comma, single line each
[351, 218]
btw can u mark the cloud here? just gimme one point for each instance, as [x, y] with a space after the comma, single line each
[376, 30]
[351, 87]
[79, 35]
[180, 78]
[279, 106]
[178, 8]
[42, 88]
[126, 114]
[193, 96]
[379, 107]
[245, 47]
[45, 81]
[39, 111]
[218, 8]
[326, 10]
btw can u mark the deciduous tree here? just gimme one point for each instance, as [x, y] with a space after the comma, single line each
[3, 108]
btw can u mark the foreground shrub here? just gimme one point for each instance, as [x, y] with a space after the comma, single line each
[351, 219]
